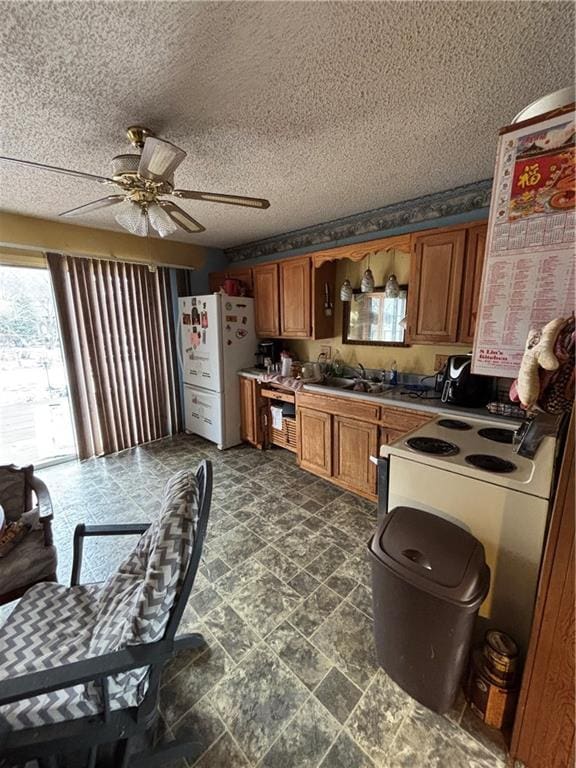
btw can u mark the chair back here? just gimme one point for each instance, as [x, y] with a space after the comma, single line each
[204, 485]
[15, 490]
[143, 600]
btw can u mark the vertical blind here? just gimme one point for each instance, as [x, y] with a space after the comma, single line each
[118, 338]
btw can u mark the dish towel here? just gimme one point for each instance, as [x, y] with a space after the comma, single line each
[276, 417]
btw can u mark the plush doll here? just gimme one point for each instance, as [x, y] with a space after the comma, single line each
[557, 387]
[538, 353]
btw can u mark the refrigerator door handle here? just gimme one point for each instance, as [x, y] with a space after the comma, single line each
[179, 344]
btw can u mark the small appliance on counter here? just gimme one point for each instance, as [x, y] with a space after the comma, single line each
[271, 349]
[461, 386]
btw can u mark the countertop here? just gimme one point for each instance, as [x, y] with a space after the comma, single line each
[395, 398]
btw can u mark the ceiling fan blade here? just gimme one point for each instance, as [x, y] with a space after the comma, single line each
[159, 159]
[213, 197]
[104, 202]
[180, 217]
[56, 169]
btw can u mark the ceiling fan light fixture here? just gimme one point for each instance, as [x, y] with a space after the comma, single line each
[159, 159]
[133, 218]
[124, 164]
[160, 220]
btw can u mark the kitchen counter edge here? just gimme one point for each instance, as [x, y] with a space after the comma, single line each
[395, 399]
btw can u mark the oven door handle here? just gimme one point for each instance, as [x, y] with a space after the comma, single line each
[383, 465]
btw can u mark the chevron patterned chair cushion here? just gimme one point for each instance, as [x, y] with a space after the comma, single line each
[54, 624]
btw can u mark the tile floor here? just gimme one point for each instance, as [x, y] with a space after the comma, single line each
[289, 677]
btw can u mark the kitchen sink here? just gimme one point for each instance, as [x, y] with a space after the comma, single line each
[337, 382]
[340, 382]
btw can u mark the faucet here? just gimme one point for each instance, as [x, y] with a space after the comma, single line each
[359, 370]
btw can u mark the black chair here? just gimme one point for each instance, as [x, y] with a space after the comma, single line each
[33, 559]
[109, 679]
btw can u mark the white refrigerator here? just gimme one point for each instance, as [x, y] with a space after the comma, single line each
[216, 339]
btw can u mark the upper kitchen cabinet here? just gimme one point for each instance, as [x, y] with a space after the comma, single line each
[475, 251]
[293, 300]
[295, 303]
[266, 300]
[435, 286]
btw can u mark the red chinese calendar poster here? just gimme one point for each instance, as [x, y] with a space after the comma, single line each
[528, 276]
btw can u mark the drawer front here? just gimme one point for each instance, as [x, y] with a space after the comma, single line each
[274, 394]
[339, 406]
[404, 420]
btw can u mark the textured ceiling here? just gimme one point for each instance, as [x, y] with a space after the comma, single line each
[325, 108]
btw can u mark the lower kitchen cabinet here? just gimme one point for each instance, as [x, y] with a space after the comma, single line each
[336, 436]
[315, 441]
[354, 443]
[250, 412]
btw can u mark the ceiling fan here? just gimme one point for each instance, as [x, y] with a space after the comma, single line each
[145, 180]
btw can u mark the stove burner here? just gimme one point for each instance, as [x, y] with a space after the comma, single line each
[454, 424]
[433, 445]
[490, 463]
[497, 434]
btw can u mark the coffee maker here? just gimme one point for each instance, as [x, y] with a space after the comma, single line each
[461, 386]
[268, 349]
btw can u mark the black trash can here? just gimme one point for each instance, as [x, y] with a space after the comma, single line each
[429, 578]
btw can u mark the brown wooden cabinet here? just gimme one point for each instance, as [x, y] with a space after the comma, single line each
[472, 279]
[295, 298]
[544, 731]
[266, 300]
[435, 285]
[290, 299]
[444, 289]
[336, 436]
[354, 442]
[251, 428]
[314, 435]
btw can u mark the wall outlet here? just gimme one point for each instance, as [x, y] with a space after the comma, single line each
[326, 350]
[440, 362]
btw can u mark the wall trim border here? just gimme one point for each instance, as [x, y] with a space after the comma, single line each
[464, 199]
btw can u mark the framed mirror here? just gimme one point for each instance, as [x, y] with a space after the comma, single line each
[373, 318]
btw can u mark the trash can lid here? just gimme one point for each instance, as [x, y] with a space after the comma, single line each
[433, 554]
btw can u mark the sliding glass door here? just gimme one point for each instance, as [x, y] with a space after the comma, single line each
[35, 420]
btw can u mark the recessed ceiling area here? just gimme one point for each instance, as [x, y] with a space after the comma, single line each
[325, 108]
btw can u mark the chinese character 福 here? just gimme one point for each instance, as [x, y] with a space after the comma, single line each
[530, 176]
